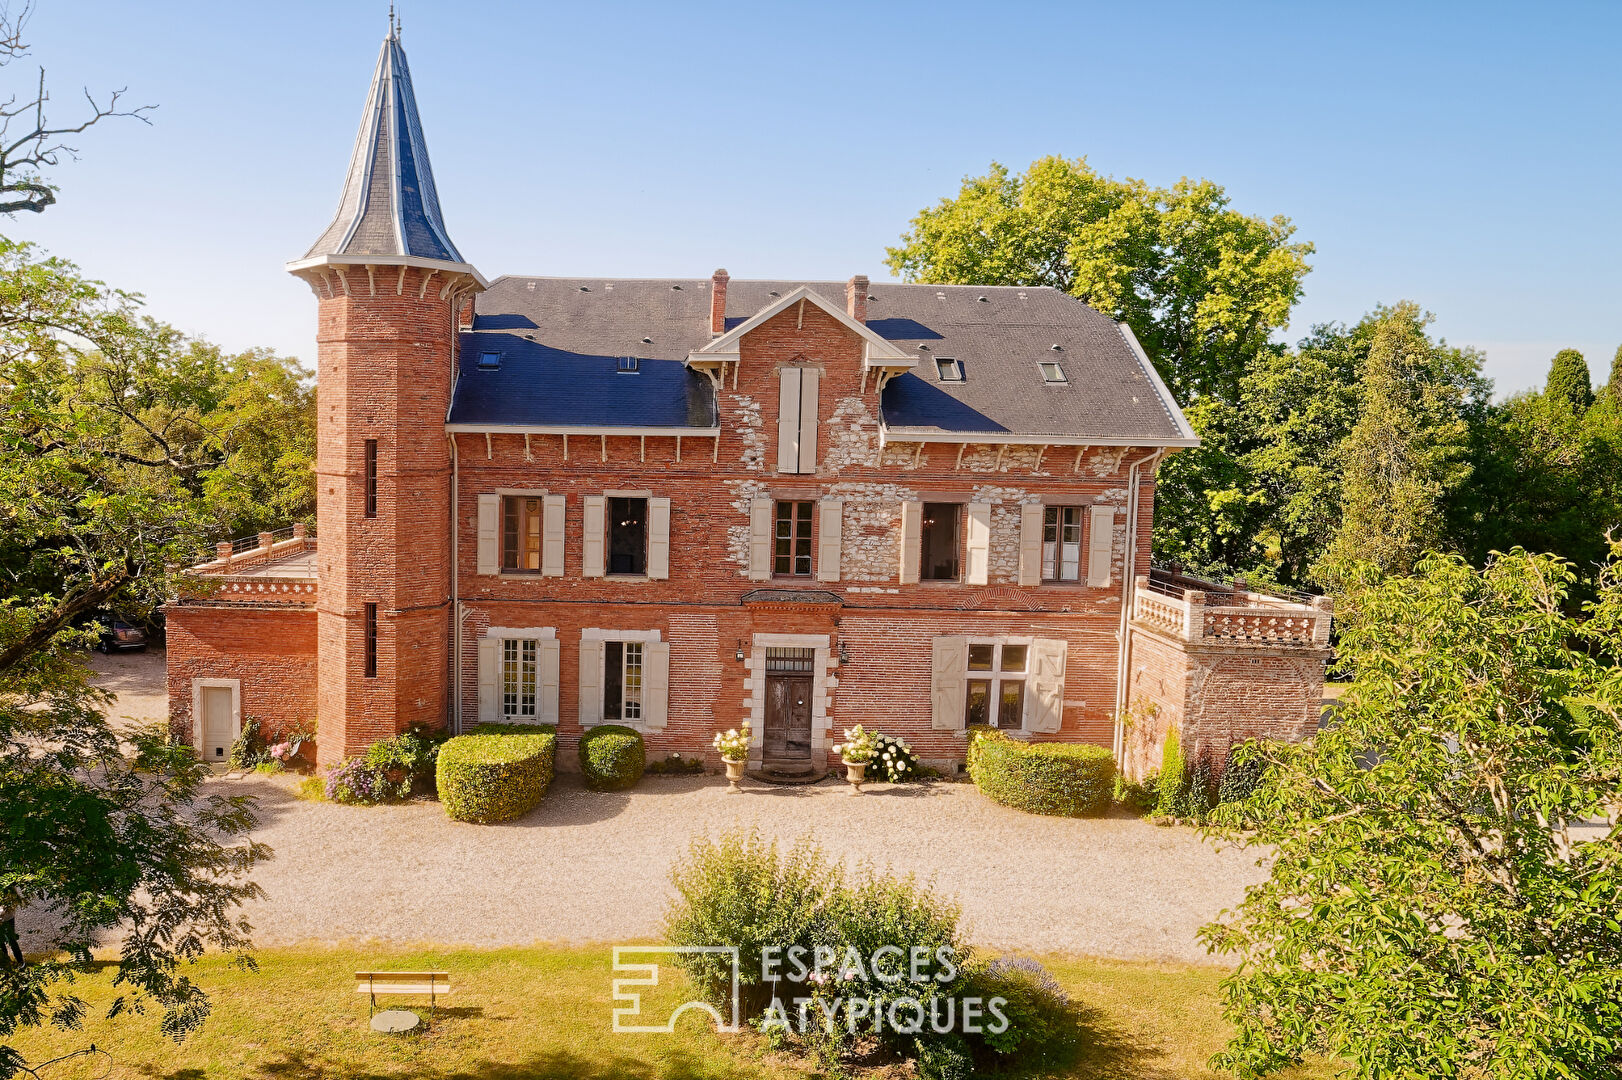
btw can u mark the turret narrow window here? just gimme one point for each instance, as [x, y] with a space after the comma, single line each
[371, 641]
[371, 477]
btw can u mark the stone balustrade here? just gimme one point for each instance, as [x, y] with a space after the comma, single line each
[1232, 617]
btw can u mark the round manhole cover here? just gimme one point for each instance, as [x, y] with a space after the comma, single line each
[394, 1021]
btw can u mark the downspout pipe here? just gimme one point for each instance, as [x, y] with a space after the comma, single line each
[1123, 660]
[456, 599]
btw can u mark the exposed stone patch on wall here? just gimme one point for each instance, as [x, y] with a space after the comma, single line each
[904, 456]
[744, 492]
[1003, 565]
[852, 436]
[1104, 460]
[871, 525]
[745, 417]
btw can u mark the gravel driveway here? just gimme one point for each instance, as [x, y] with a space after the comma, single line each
[587, 866]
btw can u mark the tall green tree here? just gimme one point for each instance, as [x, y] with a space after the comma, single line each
[1202, 285]
[1614, 384]
[1433, 907]
[1409, 450]
[1568, 380]
[118, 441]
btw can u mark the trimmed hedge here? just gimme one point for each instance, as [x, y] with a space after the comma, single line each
[499, 773]
[1064, 779]
[612, 757]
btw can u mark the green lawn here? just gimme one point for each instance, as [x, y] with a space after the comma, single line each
[546, 1012]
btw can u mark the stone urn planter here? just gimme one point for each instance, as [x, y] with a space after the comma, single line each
[734, 774]
[856, 773]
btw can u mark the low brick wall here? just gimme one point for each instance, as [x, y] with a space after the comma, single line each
[271, 651]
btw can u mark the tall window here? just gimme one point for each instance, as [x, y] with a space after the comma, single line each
[791, 553]
[371, 477]
[627, 536]
[518, 678]
[1061, 543]
[622, 680]
[521, 533]
[938, 533]
[371, 641]
[996, 688]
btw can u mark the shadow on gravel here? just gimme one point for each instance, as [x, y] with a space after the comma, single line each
[677, 1065]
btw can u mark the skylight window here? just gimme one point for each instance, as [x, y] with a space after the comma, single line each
[1052, 372]
[949, 369]
[490, 361]
[627, 365]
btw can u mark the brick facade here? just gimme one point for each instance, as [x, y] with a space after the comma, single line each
[270, 650]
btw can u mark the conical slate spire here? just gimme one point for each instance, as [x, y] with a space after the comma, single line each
[389, 206]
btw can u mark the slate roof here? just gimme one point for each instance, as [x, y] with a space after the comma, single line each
[389, 205]
[560, 337]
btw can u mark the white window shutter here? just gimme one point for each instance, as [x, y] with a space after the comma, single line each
[830, 535]
[760, 539]
[552, 508]
[489, 680]
[1100, 544]
[591, 683]
[1044, 704]
[788, 420]
[550, 652]
[591, 536]
[978, 547]
[912, 516]
[658, 538]
[655, 684]
[489, 534]
[809, 377]
[1030, 544]
[948, 683]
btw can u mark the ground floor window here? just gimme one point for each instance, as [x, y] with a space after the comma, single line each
[996, 684]
[622, 680]
[518, 677]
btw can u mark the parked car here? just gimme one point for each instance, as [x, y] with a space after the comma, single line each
[118, 635]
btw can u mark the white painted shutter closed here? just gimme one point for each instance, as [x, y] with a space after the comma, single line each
[978, 547]
[591, 683]
[1044, 705]
[591, 536]
[911, 525]
[809, 378]
[948, 683]
[1030, 544]
[489, 534]
[489, 680]
[552, 508]
[788, 420]
[659, 538]
[830, 536]
[655, 684]
[550, 654]
[1100, 544]
[760, 539]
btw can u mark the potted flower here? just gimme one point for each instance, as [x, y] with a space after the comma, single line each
[856, 751]
[733, 746]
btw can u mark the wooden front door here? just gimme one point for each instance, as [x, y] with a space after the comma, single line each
[788, 718]
[218, 730]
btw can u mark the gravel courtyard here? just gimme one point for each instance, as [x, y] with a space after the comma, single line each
[587, 866]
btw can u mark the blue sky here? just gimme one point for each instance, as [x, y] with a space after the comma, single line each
[1465, 156]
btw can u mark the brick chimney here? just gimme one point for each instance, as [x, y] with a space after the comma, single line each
[718, 302]
[856, 298]
[464, 318]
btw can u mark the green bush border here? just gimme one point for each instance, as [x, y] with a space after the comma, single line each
[612, 757]
[497, 773]
[1061, 779]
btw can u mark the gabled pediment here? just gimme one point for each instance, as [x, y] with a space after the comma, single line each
[877, 352]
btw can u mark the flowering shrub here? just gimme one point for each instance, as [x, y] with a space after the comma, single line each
[895, 757]
[860, 745]
[733, 745]
[358, 782]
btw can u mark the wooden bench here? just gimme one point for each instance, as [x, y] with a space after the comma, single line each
[433, 983]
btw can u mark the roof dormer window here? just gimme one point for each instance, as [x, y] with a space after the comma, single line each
[490, 361]
[627, 365]
[1052, 372]
[948, 369]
